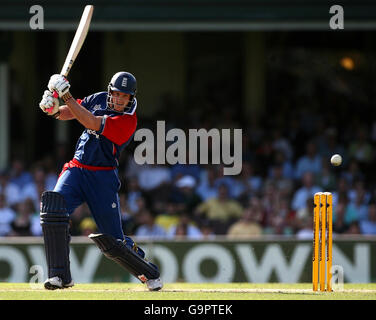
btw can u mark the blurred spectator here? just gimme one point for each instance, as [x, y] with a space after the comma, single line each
[307, 190]
[141, 203]
[291, 226]
[326, 179]
[277, 225]
[350, 211]
[131, 168]
[27, 222]
[206, 230]
[34, 189]
[129, 218]
[329, 145]
[78, 215]
[255, 203]
[360, 202]
[246, 183]
[352, 173]
[18, 174]
[270, 201]
[305, 213]
[247, 227]
[7, 215]
[61, 156]
[339, 224]
[309, 162]
[127, 215]
[207, 188]
[284, 210]
[281, 161]
[369, 226]
[153, 176]
[87, 226]
[220, 210]
[169, 217]
[360, 148]
[276, 177]
[281, 144]
[10, 190]
[353, 228]
[51, 173]
[148, 228]
[179, 170]
[306, 228]
[359, 191]
[229, 181]
[342, 187]
[185, 195]
[155, 181]
[133, 193]
[185, 229]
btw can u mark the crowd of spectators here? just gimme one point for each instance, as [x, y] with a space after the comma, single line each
[273, 194]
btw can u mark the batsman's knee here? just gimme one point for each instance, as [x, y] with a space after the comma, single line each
[53, 208]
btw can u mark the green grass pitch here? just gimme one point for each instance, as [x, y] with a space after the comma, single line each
[186, 291]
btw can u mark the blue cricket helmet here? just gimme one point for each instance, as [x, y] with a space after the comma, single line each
[124, 82]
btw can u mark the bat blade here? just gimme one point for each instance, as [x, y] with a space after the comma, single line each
[78, 40]
[77, 43]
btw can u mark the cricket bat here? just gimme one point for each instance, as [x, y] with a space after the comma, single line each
[77, 42]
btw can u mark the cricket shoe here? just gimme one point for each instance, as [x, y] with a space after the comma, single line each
[154, 284]
[57, 283]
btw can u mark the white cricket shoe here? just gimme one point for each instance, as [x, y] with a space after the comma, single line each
[57, 283]
[154, 284]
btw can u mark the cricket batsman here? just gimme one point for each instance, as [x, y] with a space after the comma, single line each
[110, 122]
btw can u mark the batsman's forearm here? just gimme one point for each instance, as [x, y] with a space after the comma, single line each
[86, 118]
[65, 113]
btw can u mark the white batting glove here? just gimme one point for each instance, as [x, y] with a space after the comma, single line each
[49, 104]
[58, 84]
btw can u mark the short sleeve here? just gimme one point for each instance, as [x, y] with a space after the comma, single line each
[119, 129]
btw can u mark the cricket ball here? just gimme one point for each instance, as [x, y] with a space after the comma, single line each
[336, 160]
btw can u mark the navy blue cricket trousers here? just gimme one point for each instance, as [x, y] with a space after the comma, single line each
[99, 189]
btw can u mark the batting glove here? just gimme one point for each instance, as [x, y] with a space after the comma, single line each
[49, 104]
[58, 84]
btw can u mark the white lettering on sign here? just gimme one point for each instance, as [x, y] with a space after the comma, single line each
[272, 260]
